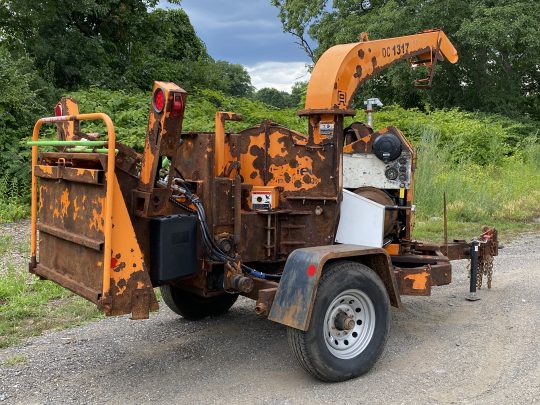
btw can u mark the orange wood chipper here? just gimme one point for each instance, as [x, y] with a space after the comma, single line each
[315, 228]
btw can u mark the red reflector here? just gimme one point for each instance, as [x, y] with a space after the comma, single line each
[58, 110]
[177, 106]
[311, 270]
[159, 100]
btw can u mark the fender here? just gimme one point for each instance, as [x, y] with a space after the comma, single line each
[293, 303]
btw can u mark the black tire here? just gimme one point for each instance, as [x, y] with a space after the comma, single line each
[192, 306]
[311, 348]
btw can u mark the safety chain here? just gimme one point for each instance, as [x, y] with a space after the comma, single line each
[487, 249]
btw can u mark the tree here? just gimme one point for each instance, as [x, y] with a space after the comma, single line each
[274, 97]
[298, 94]
[497, 42]
[232, 79]
[76, 42]
[24, 96]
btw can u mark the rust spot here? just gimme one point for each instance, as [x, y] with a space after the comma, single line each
[361, 54]
[358, 72]
[298, 184]
[374, 62]
[120, 267]
[287, 177]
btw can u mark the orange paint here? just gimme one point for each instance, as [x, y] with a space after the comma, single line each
[342, 68]
[65, 202]
[419, 280]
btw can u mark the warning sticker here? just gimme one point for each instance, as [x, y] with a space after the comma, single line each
[261, 200]
[326, 128]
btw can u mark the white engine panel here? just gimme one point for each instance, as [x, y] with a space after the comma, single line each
[361, 221]
[366, 170]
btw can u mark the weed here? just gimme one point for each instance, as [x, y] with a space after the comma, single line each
[30, 306]
[15, 360]
[5, 244]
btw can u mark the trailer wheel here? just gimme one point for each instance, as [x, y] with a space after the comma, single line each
[192, 306]
[349, 324]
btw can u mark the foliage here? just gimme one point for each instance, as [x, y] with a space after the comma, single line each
[24, 95]
[274, 97]
[281, 99]
[497, 42]
[29, 306]
[505, 195]
[486, 164]
[129, 112]
[476, 138]
[117, 44]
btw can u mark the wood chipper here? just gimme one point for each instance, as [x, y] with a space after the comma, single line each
[315, 228]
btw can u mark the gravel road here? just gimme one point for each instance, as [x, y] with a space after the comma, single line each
[442, 349]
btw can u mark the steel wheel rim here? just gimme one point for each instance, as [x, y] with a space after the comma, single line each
[349, 343]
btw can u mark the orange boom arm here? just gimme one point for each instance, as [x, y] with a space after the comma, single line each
[342, 68]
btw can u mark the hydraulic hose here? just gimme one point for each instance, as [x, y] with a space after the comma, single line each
[210, 247]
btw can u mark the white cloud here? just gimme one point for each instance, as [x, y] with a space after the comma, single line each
[279, 75]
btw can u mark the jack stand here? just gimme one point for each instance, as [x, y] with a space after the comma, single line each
[474, 271]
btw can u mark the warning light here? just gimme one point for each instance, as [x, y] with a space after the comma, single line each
[58, 110]
[311, 270]
[159, 100]
[177, 106]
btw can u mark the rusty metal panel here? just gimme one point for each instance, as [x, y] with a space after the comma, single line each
[46, 171]
[96, 244]
[72, 226]
[73, 207]
[414, 281]
[83, 175]
[131, 289]
[223, 205]
[80, 265]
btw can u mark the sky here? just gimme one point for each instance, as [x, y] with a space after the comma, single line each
[248, 32]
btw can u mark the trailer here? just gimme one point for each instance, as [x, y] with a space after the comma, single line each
[316, 228]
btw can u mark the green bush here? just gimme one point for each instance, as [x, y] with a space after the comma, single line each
[487, 164]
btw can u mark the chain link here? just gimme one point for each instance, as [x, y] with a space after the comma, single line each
[485, 267]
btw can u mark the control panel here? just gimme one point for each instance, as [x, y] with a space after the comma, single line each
[367, 170]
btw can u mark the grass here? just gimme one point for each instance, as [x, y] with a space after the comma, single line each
[5, 244]
[506, 195]
[13, 211]
[15, 360]
[29, 306]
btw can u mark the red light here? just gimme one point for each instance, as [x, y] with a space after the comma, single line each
[311, 270]
[159, 100]
[177, 106]
[58, 110]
